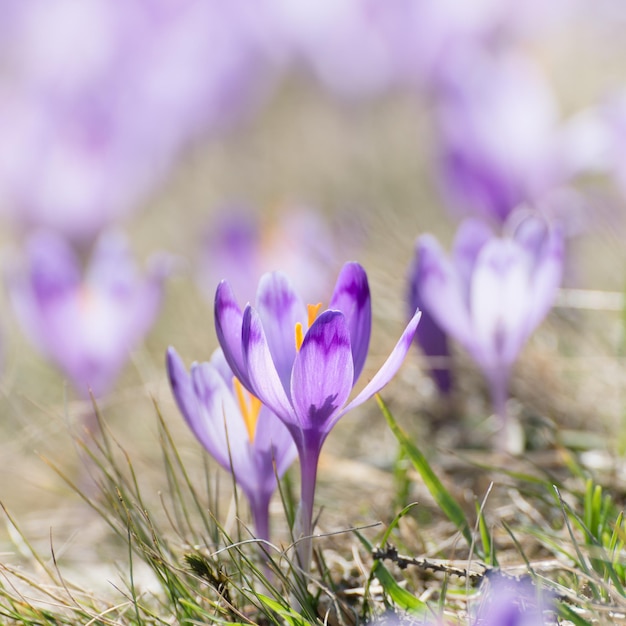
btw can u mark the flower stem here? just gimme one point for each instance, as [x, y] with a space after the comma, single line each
[309, 458]
[260, 509]
[499, 388]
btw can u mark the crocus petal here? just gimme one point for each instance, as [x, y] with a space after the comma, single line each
[263, 377]
[273, 440]
[221, 428]
[512, 602]
[54, 267]
[471, 236]
[323, 372]
[530, 230]
[231, 250]
[39, 285]
[112, 266]
[218, 361]
[499, 302]
[430, 337]
[388, 369]
[280, 308]
[546, 279]
[181, 385]
[442, 290]
[352, 297]
[228, 320]
[205, 405]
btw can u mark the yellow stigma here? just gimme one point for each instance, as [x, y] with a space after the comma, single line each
[312, 310]
[250, 407]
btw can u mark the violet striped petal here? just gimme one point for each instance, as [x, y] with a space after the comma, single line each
[228, 320]
[280, 308]
[274, 441]
[221, 428]
[180, 382]
[323, 373]
[189, 405]
[388, 369]
[264, 379]
[351, 296]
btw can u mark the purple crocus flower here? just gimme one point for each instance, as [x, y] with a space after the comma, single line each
[362, 48]
[87, 323]
[500, 143]
[241, 245]
[99, 130]
[240, 433]
[305, 376]
[511, 602]
[493, 292]
[504, 601]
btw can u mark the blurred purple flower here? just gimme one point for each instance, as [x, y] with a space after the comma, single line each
[494, 291]
[511, 602]
[98, 130]
[305, 376]
[363, 48]
[430, 337]
[500, 142]
[240, 248]
[504, 601]
[339, 43]
[242, 435]
[86, 323]
[405, 619]
[607, 130]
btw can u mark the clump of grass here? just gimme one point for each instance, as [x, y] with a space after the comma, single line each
[565, 532]
[203, 573]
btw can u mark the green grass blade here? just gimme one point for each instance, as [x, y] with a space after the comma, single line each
[400, 596]
[568, 613]
[446, 502]
[289, 615]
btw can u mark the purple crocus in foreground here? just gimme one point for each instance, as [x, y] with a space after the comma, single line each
[305, 376]
[240, 433]
[493, 292]
[87, 323]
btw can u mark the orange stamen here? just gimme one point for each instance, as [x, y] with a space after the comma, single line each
[299, 336]
[312, 311]
[250, 407]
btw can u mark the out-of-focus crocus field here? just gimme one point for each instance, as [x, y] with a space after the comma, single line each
[313, 312]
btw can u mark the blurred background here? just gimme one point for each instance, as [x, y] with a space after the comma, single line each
[149, 149]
